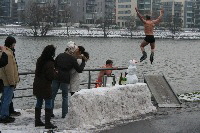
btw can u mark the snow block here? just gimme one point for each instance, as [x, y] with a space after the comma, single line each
[92, 107]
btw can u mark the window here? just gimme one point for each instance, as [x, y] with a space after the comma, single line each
[43, 1]
[64, 1]
[189, 20]
[122, 1]
[124, 12]
[189, 14]
[124, 6]
[118, 23]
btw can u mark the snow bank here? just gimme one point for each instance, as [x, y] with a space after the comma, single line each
[90, 109]
[98, 106]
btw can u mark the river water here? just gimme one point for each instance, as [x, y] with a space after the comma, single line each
[178, 60]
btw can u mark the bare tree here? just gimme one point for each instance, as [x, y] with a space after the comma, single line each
[40, 18]
[174, 23]
[131, 24]
[107, 22]
[65, 16]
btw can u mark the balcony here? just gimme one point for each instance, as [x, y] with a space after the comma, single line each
[20, 9]
[142, 9]
[109, 1]
[42, 1]
[91, 4]
[21, 1]
[197, 2]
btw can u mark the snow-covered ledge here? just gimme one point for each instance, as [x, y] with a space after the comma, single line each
[97, 106]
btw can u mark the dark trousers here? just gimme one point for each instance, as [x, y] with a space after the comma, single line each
[11, 107]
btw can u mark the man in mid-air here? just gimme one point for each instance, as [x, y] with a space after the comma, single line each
[148, 30]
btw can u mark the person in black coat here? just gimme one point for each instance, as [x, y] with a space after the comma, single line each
[3, 58]
[44, 74]
[3, 62]
[64, 63]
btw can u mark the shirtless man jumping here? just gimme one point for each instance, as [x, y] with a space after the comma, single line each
[148, 30]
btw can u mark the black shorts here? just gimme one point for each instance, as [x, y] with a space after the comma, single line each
[149, 38]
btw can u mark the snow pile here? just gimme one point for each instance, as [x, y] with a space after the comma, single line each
[98, 106]
[194, 96]
[79, 32]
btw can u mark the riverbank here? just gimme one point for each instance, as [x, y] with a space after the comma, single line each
[98, 33]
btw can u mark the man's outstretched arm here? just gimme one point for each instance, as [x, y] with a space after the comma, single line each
[159, 18]
[139, 15]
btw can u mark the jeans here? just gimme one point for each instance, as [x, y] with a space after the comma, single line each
[6, 99]
[48, 103]
[64, 87]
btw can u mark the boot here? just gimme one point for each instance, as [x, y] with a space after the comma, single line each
[48, 124]
[52, 115]
[151, 57]
[38, 121]
[72, 93]
[144, 56]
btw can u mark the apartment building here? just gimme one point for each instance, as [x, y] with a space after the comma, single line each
[77, 10]
[180, 9]
[145, 7]
[188, 14]
[125, 9]
[174, 12]
[21, 10]
[197, 13]
[14, 15]
[6, 11]
[91, 11]
[110, 11]
[155, 10]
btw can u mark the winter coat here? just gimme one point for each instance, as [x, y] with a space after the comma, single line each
[42, 81]
[75, 79]
[9, 73]
[64, 63]
[3, 59]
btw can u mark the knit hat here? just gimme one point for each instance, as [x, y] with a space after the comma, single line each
[71, 47]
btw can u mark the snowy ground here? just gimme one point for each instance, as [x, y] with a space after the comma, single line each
[190, 97]
[97, 32]
[90, 109]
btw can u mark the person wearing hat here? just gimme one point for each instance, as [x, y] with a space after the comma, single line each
[64, 63]
[74, 76]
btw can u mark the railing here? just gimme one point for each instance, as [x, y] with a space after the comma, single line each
[89, 78]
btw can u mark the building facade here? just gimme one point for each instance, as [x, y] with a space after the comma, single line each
[6, 11]
[174, 12]
[197, 13]
[155, 8]
[116, 11]
[188, 14]
[125, 9]
[21, 4]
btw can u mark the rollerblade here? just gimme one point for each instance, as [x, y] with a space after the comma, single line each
[151, 57]
[144, 56]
